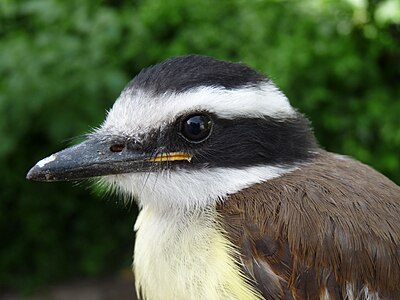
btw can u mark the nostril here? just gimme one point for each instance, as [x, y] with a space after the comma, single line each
[117, 147]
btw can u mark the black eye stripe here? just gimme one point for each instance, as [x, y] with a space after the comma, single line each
[244, 142]
[196, 128]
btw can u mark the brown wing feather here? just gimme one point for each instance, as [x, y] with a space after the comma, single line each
[331, 225]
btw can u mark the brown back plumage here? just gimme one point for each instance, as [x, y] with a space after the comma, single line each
[331, 227]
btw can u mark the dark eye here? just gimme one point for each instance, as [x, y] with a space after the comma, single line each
[196, 128]
[117, 147]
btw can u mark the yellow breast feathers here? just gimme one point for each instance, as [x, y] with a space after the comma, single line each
[186, 257]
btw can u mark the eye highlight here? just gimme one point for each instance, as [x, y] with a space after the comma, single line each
[196, 128]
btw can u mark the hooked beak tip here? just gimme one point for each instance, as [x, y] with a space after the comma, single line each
[36, 173]
[30, 175]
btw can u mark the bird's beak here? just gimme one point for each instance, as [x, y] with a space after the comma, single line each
[94, 158]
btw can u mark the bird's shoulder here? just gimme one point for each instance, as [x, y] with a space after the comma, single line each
[330, 227]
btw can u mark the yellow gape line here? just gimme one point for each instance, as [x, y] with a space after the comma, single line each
[186, 257]
[172, 156]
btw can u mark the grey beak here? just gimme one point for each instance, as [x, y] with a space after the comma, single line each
[90, 158]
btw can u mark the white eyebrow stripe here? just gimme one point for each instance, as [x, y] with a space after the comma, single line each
[251, 101]
[137, 110]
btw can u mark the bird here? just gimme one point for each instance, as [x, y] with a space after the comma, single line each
[236, 198]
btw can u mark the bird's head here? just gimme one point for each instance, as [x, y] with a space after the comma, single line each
[187, 132]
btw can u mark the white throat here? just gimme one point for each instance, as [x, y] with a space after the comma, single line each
[190, 189]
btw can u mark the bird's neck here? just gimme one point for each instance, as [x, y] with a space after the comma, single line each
[185, 255]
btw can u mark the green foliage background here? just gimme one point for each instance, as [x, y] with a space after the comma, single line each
[63, 63]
